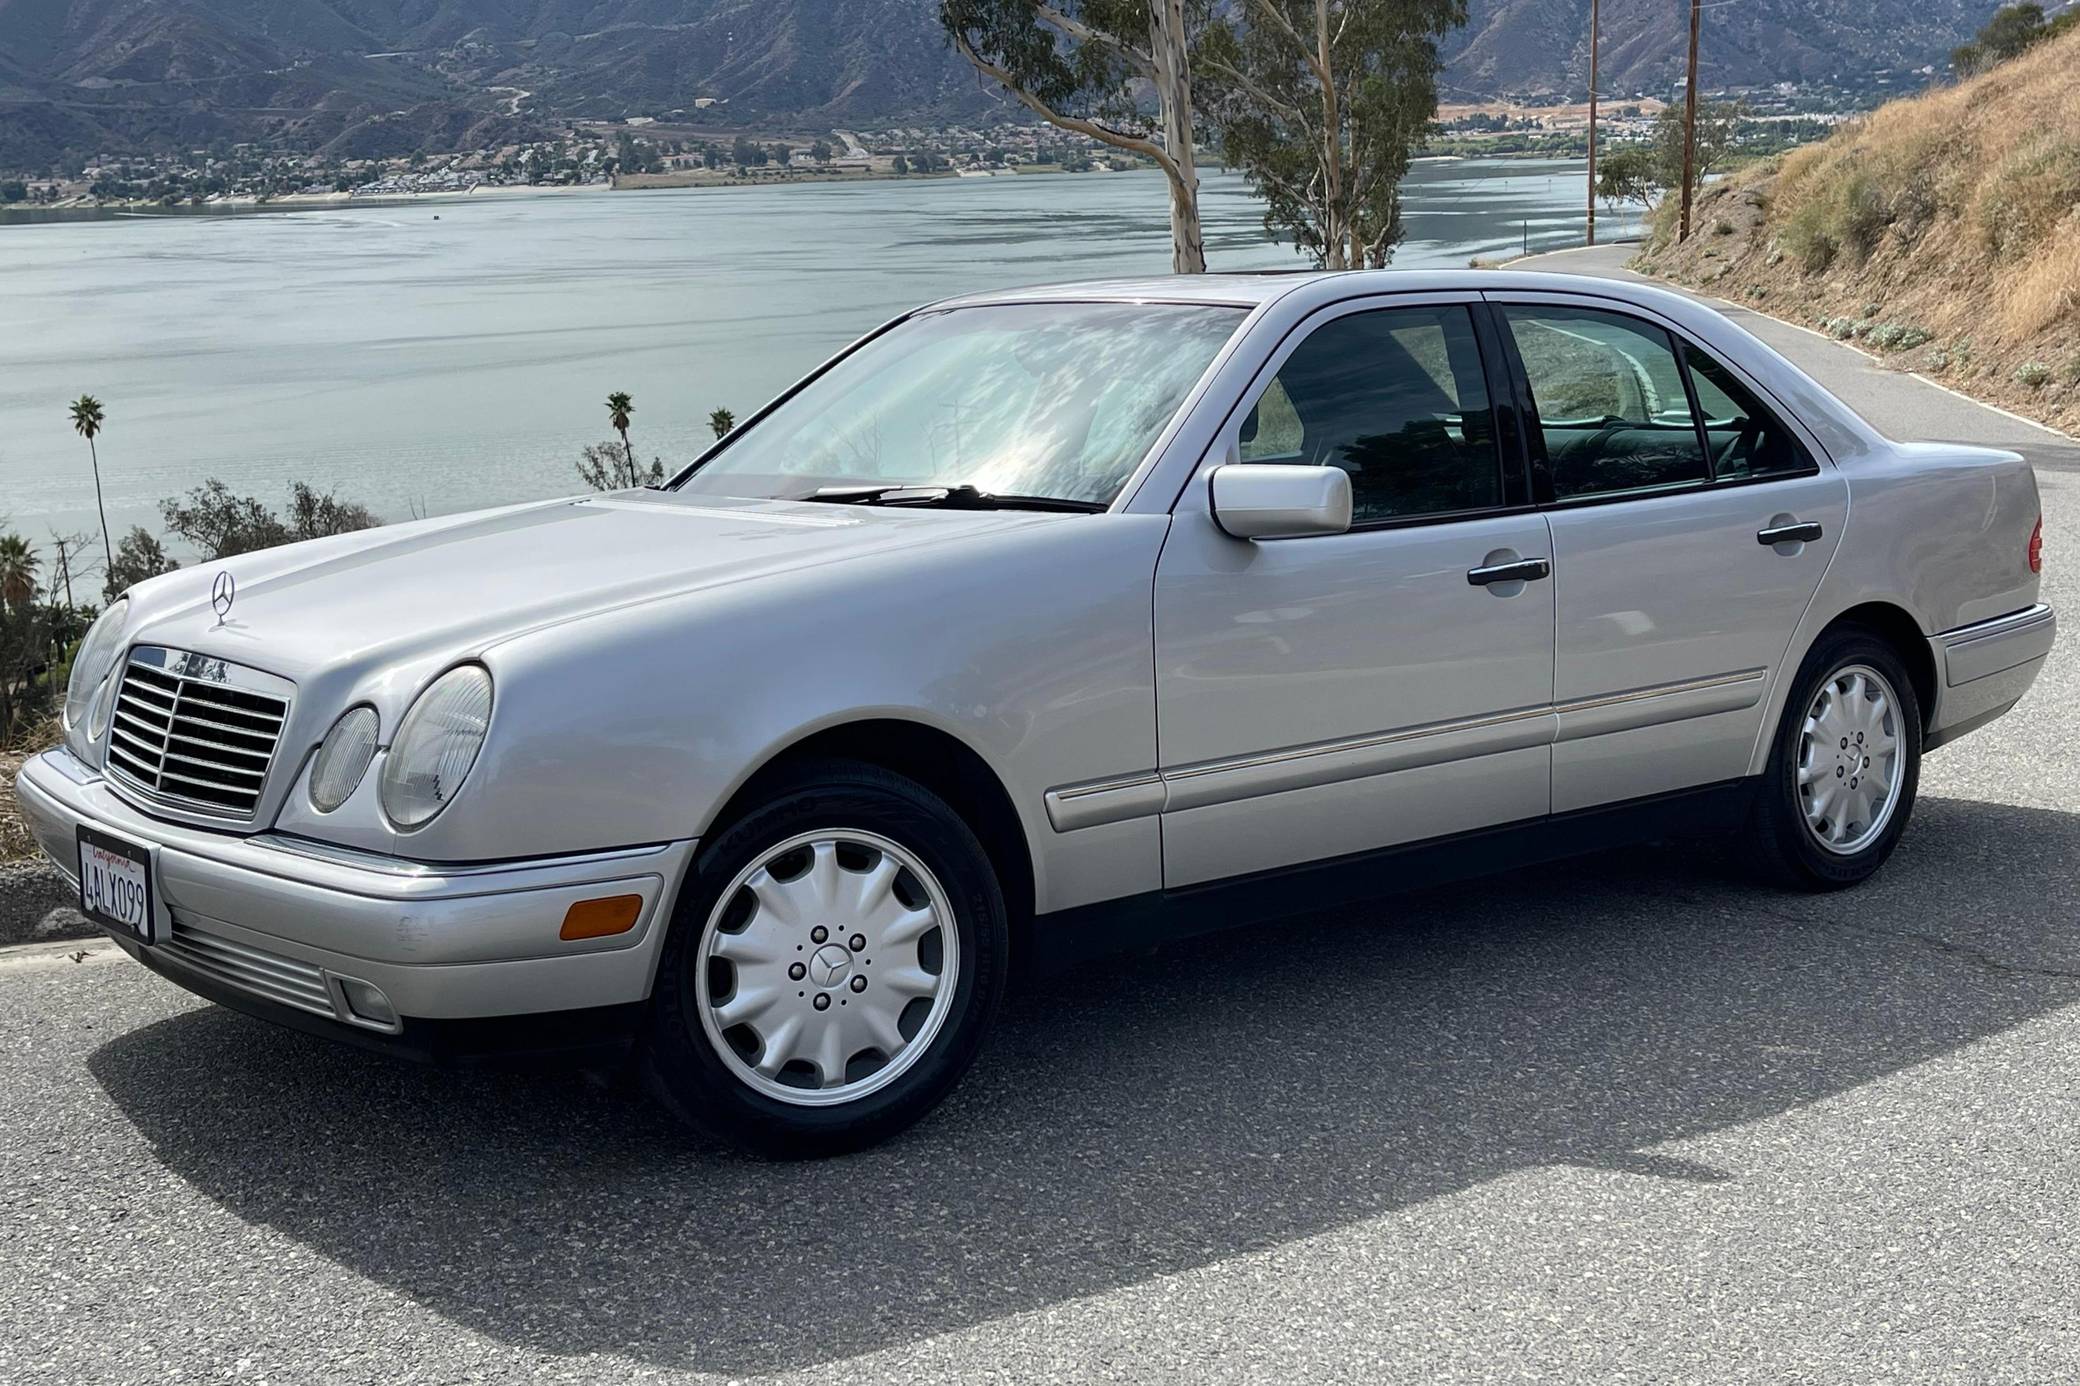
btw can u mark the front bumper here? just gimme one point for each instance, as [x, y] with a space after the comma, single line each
[289, 925]
[1985, 668]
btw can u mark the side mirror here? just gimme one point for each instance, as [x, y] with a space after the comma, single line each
[1260, 501]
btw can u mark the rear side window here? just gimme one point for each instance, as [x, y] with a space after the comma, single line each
[1395, 397]
[1609, 400]
[1746, 439]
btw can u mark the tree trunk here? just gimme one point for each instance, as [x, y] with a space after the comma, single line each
[1167, 48]
[107, 551]
[628, 450]
[1335, 227]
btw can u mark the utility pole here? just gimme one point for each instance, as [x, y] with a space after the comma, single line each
[1690, 121]
[65, 574]
[1592, 120]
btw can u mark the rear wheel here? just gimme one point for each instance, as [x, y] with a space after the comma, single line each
[1843, 771]
[834, 963]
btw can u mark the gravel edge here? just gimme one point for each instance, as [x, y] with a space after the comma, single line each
[36, 905]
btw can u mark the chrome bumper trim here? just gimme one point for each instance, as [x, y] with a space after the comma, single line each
[1991, 647]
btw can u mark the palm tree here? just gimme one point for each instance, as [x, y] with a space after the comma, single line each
[619, 407]
[86, 421]
[17, 571]
[722, 421]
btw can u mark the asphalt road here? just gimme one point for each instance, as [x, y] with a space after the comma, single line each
[1630, 1119]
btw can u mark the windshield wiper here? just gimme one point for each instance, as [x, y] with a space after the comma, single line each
[961, 497]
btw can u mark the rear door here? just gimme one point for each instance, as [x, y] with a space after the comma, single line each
[1691, 524]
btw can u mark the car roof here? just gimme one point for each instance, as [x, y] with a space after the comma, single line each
[1253, 290]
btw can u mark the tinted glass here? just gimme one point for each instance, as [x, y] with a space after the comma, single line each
[1610, 400]
[1746, 439]
[1032, 399]
[1397, 399]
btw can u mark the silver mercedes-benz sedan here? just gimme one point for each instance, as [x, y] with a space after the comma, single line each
[1034, 624]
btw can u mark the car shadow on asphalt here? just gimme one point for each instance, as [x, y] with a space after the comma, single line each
[1139, 1117]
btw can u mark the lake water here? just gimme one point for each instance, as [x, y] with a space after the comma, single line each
[444, 355]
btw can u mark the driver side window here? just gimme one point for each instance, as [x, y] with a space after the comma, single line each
[1397, 398]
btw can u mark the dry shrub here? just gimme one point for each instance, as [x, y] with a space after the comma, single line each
[2048, 288]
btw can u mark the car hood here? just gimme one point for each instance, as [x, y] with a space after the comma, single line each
[453, 587]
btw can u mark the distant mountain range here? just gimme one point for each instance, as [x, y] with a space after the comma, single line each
[390, 76]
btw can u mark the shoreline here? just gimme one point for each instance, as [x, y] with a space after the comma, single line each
[23, 214]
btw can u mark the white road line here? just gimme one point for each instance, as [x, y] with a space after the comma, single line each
[2004, 413]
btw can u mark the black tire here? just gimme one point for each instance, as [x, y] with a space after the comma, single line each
[1784, 847]
[683, 1069]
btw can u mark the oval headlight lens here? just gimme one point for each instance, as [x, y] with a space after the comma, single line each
[435, 746]
[90, 667]
[343, 758]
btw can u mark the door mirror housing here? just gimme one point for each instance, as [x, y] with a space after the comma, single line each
[1263, 501]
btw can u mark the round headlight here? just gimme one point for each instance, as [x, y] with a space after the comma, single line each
[90, 667]
[343, 758]
[435, 746]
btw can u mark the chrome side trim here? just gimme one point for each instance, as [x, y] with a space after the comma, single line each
[1989, 647]
[1669, 702]
[1304, 767]
[1205, 783]
[1104, 801]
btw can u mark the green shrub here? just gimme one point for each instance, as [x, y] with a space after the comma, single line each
[2027, 194]
[1808, 238]
[2032, 374]
[1861, 214]
[1896, 336]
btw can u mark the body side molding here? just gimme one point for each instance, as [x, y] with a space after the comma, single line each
[1227, 780]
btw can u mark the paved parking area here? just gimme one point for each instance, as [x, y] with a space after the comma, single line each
[1631, 1118]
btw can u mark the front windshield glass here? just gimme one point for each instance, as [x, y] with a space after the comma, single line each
[1058, 400]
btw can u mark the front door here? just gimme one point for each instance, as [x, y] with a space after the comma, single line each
[1329, 695]
[1691, 526]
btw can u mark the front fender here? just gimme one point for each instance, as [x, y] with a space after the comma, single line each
[1033, 647]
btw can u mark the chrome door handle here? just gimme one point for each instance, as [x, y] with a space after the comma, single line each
[1803, 532]
[1521, 570]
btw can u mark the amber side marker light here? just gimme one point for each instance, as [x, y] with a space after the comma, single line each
[601, 918]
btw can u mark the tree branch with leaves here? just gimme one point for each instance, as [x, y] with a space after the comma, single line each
[1320, 104]
[1086, 66]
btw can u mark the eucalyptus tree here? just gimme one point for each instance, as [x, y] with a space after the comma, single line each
[86, 421]
[1320, 104]
[1084, 65]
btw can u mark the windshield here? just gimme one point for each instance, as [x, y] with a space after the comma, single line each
[1056, 400]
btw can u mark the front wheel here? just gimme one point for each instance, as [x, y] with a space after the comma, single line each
[835, 960]
[1842, 772]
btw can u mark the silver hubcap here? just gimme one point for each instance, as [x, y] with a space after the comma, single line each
[1848, 759]
[827, 967]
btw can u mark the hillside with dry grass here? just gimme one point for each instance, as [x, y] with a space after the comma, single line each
[1941, 233]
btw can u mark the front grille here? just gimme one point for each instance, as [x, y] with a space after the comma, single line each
[249, 969]
[186, 733]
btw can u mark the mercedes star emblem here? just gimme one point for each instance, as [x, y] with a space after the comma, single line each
[221, 594]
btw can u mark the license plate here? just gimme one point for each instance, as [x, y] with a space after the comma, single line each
[115, 884]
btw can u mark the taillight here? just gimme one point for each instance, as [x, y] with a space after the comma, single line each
[2036, 547]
